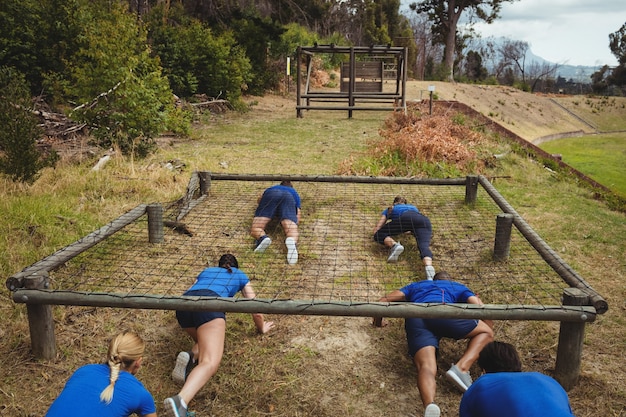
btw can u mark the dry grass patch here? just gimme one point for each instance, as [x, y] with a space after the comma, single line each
[311, 366]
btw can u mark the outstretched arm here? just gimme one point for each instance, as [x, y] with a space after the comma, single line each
[381, 222]
[260, 323]
[393, 296]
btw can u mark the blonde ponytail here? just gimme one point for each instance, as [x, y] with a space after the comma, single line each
[107, 395]
[124, 350]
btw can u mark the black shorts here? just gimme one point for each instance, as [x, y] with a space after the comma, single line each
[427, 332]
[187, 319]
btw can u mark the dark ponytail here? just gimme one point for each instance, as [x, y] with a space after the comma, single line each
[228, 261]
[399, 200]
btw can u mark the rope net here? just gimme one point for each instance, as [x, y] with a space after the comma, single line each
[338, 259]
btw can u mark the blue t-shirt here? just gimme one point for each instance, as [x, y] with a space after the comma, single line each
[291, 191]
[438, 291]
[221, 281]
[81, 395]
[398, 209]
[515, 394]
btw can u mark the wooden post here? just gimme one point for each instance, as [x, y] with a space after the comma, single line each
[352, 82]
[570, 348]
[40, 320]
[298, 81]
[430, 103]
[471, 189]
[205, 182]
[502, 244]
[155, 223]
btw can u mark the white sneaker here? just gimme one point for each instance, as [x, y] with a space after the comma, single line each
[179, 374]
[262, 244]
[292, 251]
[430, 272]
[432, 410]
[395, 252]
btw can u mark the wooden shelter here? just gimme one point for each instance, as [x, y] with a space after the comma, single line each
[371, 78]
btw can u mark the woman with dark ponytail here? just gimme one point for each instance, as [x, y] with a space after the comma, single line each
[193, 369]
[402, 217]
[108, 390]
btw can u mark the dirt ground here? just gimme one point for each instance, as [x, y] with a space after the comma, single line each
[340, 366]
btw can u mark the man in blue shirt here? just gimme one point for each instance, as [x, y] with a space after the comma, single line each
[283, 202]
[423, 335]
[504, 390]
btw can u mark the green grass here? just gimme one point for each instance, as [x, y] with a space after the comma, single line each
[288, 372]
[601, 157]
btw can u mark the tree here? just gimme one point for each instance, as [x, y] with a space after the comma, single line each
[19, 157]
[125, 98]
[474, 69]
[445, 15]
[605, 77]
[541, 74]
[38, 37]
[599, 82]
[617, 44]
[426, 48]
[194, 59]
[513, 54]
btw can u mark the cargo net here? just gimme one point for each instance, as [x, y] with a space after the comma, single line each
[339, 262]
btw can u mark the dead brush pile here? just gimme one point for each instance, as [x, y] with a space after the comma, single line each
[421, 144]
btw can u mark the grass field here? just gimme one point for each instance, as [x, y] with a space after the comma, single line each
[309, 366]
[601, 157]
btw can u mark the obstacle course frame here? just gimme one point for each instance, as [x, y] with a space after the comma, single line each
[38, 287]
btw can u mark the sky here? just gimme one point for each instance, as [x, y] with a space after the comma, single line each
[571, 32]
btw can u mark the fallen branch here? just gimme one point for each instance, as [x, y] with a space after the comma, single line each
[93, 102]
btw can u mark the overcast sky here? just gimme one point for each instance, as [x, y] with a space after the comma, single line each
[573, 32]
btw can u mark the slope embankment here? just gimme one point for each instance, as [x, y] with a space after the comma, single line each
[529, 116]
[519, 116]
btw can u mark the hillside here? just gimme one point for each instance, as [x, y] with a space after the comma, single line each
[531, 116]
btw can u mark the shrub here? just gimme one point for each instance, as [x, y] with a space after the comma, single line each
[19, 157]
[197, 61]
[126, 99]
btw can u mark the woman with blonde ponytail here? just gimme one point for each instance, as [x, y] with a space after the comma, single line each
[108, 390]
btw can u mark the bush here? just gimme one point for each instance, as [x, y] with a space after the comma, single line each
[126, 99]
[19, 157]
[195, 60]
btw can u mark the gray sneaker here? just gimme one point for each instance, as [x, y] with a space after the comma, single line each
[184, 365]
[432, 410]
[174, 407]
[461, 379]
[395, 252]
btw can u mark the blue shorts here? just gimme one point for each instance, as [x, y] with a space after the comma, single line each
[187, 319]
[427, 332]
[277, 203]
